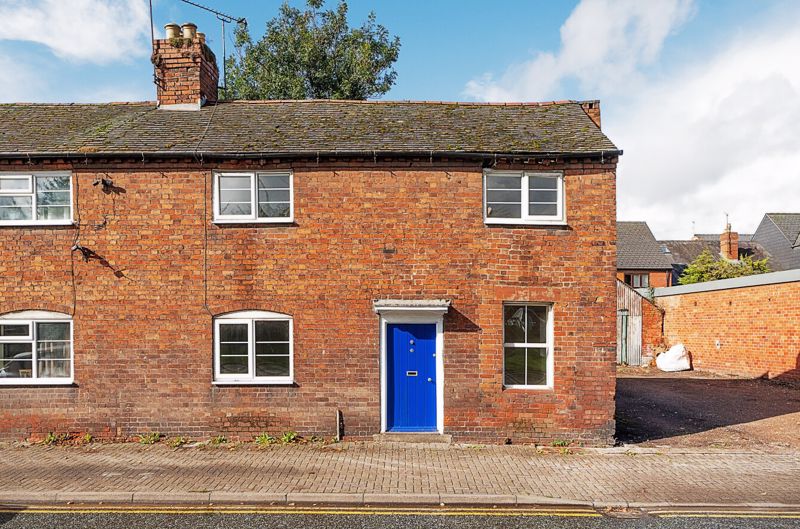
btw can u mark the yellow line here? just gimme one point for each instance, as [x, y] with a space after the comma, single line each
[728, 514]
[294, 511]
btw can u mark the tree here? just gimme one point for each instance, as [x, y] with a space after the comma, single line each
[706, 268]
[312, 54]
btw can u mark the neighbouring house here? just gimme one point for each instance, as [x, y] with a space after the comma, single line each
[727, 245]
[779, 234]
[200, 267]
[641, 261]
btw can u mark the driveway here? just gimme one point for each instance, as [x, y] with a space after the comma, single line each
[695, 409]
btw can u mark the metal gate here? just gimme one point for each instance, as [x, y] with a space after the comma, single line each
[629, 325]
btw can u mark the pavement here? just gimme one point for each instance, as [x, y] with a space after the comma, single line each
[357, 474]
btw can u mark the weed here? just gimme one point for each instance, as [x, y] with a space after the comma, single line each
[177, 442]
[265, 439]
[565, 451]
[56, 439]
[218, 440]
[87, 438]
[562, 442]
[149, 438]
[289, 437]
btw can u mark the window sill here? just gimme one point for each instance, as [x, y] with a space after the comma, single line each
[529, 388]
[521, 222]
[282, 220]
[251, 382]
[36, 382]
[36, 224]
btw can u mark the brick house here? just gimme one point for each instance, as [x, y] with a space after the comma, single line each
[641, 261]
[200, 267]
[729, 245]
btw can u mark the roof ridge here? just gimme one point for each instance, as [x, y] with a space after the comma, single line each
[117, 103]
[401, 102]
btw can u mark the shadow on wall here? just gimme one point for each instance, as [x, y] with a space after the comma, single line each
[657, 408]
[456, 321]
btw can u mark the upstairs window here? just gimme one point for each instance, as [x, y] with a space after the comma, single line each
[253, 347]
[523, 197]
[253, 197]
[37, 198]
[638, 280]
[35, 348]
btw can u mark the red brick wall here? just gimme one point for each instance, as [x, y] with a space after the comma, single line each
[652, 336]
[657, 279]
[756, 327]
[143, 335]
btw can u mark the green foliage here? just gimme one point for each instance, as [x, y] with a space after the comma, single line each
[706, 268]
[562, 442]
[312, 54]
[177, 442]
[219, 440]
[87, 438]
[55, 439]
[149, 438]
[289, 437]
[265, 439]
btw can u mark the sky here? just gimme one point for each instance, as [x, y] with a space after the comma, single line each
[703, 96]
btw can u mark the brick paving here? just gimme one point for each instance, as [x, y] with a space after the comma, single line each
[670, 476]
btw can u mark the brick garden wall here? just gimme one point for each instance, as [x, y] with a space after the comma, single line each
[412, 230]
[757, 328]
[652, 332]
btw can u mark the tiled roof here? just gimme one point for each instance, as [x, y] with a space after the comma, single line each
[637, 248]
[301, 128]
[684, 252]
[789, 224]
[715, 236]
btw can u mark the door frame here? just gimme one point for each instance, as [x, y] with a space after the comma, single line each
[414, 314]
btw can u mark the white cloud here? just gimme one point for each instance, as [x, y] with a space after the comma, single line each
[602, 43]
[718, 134]
[98, 31]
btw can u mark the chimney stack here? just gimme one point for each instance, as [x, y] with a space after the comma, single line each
[729, 244]
[592, 109]
[186, 69]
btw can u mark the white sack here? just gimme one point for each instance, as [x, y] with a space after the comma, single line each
[675, 359]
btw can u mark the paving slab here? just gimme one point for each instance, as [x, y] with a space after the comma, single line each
[376, 473]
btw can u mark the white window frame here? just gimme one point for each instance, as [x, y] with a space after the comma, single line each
[548, 345]
[253, 218]
[31, 191]
[559, 219]
[250, 318]
[31, 318]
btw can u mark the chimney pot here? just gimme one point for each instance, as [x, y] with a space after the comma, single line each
[189, 30]
[172, 30]
[202, 37]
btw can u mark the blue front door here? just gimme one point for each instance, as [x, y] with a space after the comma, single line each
[411, 377]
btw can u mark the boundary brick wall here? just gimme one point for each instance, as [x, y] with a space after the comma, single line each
[757, 328]
[652, 328]
[404, 230]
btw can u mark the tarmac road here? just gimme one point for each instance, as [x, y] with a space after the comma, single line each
[380, 518]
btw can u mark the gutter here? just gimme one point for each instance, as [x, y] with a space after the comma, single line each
[216, 155]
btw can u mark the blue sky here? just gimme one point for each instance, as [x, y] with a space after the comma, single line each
[703, 96]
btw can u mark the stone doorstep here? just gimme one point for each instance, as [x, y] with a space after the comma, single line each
[412, 438]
